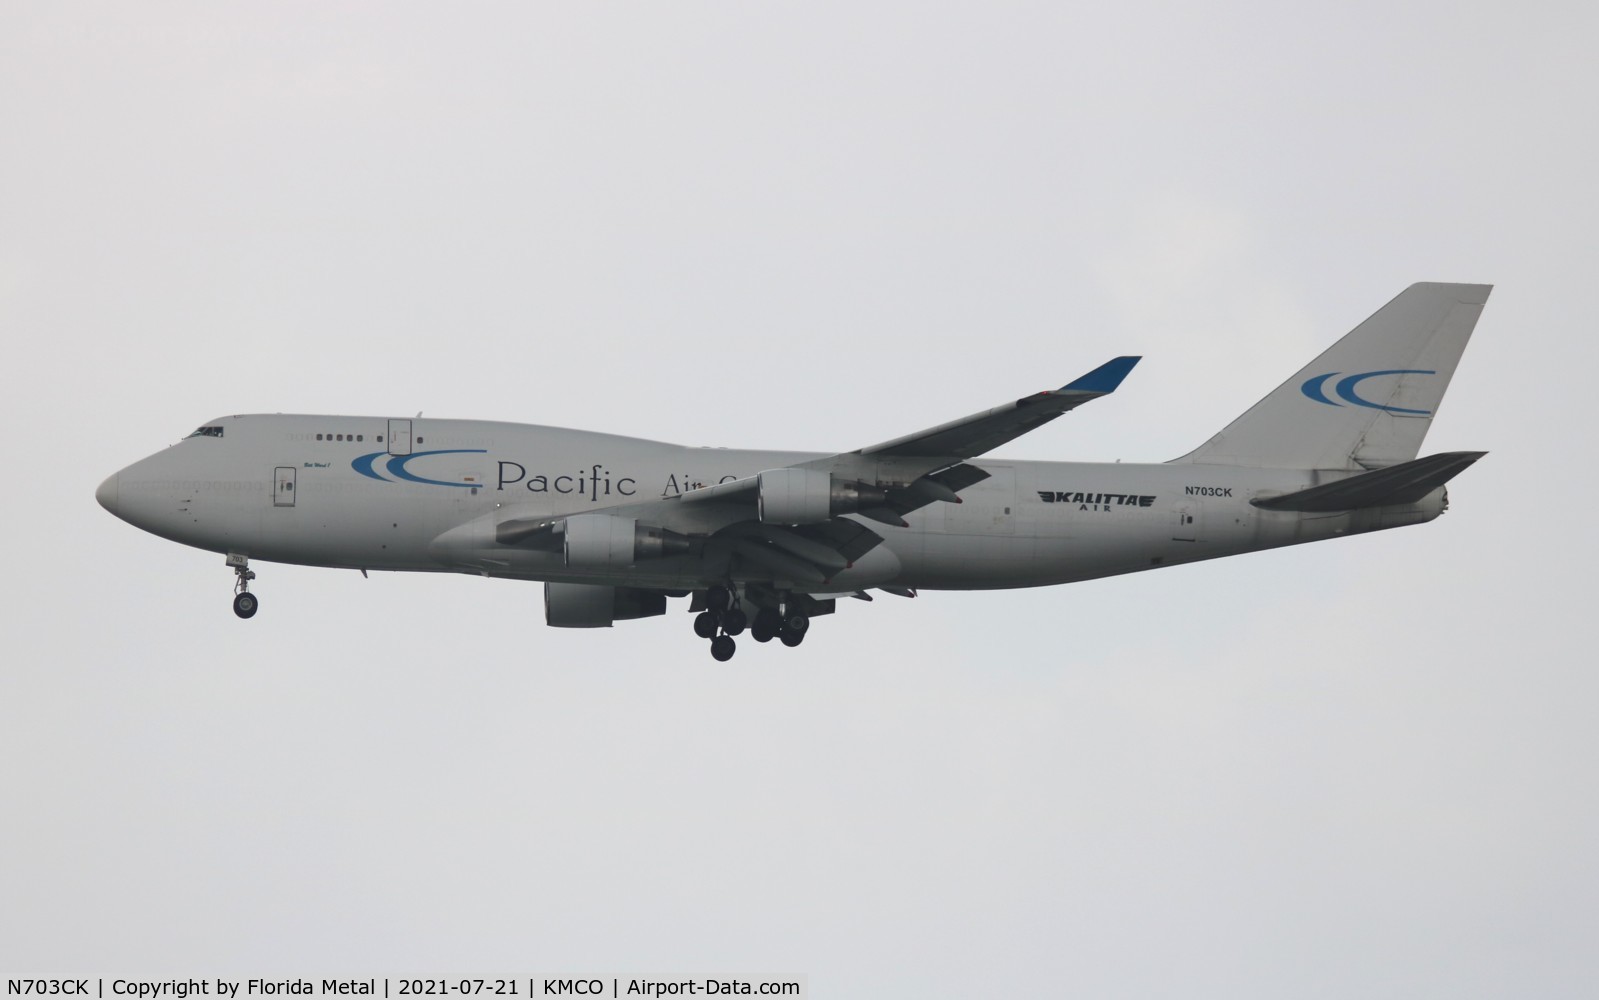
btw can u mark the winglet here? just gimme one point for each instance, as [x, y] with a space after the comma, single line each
[1106, 377]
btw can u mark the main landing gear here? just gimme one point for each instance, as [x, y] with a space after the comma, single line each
[722, 619]
[720, 622]
[245, 604]
[787, 627]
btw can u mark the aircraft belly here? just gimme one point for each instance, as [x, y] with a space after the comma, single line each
[969, 562]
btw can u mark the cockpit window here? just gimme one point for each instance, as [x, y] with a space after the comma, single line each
[207, 432]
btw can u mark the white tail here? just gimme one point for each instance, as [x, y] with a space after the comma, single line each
[1368, 400]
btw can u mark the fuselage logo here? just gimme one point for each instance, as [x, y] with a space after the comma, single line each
[396, 466]
[1344, 389]
[1096, 501]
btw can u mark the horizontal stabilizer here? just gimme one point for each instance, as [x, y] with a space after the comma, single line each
[1405, 483]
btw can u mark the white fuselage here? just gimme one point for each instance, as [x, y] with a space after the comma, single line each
[267, 488]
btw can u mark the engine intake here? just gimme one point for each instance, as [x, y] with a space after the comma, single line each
[806, 496]
[588, 605]
[604, 541]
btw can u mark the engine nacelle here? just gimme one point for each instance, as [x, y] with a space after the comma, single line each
[588, 605]
[806, 496]
[604, 541]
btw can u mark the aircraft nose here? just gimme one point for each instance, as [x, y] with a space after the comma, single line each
[107, 493]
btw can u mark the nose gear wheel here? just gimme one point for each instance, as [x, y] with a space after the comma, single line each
[245, 604]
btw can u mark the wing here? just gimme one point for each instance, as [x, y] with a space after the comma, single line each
[890, 480]
[926, 466]
[982, 432]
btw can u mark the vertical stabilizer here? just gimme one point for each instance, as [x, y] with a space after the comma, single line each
[1368, 400]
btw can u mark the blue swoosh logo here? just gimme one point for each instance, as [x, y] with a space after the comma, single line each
[1316, 388]
[1312, 388]
[396, 466]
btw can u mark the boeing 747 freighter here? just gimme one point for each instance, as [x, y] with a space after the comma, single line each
[765, 541]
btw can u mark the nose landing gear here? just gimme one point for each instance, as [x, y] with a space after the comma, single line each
[245, 604]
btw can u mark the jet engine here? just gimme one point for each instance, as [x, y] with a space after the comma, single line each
[604, 541]
[806, 496]
[588, 605]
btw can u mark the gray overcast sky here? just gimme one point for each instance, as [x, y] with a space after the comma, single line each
[1357, 769]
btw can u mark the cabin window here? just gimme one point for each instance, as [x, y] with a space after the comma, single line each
[319, 437]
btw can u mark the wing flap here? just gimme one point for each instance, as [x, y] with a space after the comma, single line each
[776, 561]
[818, 553]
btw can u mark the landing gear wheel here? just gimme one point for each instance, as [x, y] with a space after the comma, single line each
[791, 639]
[705, 624]
[734, 622]
[796, 623]
[761, 632]
[723, 647]
[244, 603]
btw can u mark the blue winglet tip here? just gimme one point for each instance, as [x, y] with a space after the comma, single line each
[1106, 377]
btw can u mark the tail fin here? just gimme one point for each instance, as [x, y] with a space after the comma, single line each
[1367, 402]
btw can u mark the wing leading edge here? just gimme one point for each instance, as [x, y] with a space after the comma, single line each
[941, 447]
[982, 432]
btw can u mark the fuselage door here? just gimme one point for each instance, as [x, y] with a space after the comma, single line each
[399, 437]
[1187, 527]
[283, 486]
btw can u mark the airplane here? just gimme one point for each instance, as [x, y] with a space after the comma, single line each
[766, 541]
